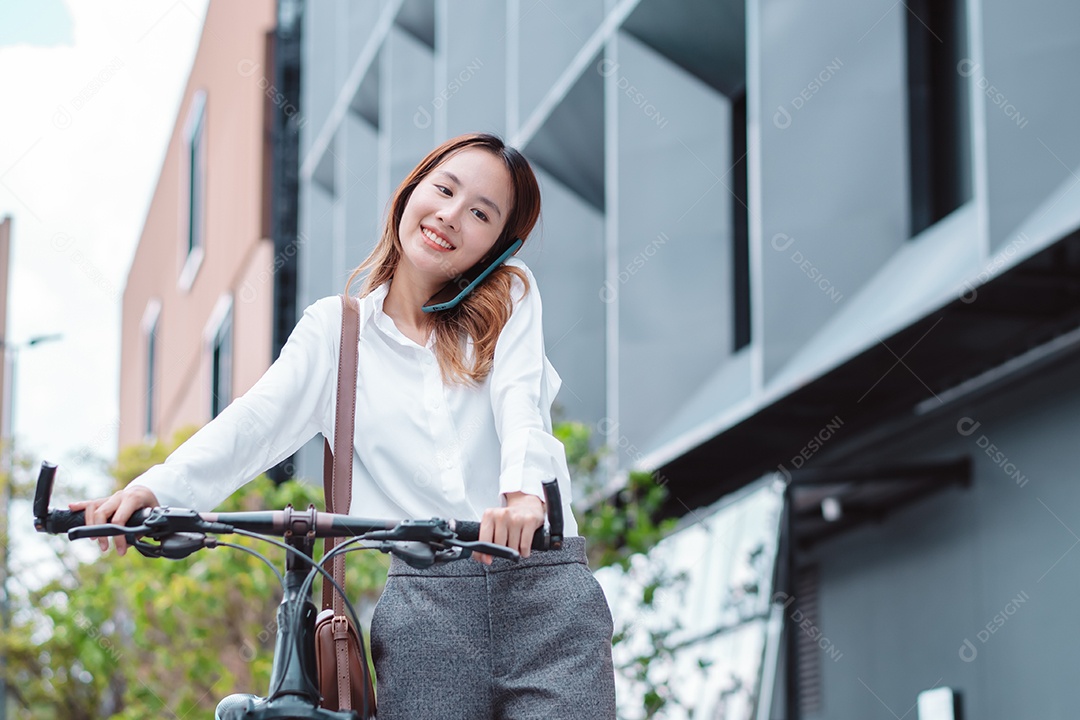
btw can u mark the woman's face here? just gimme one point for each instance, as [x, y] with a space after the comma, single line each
[455, 214]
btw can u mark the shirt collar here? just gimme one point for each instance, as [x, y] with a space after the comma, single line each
[368, 303]
[373, 310]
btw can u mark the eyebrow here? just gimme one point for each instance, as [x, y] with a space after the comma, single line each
[484, 200]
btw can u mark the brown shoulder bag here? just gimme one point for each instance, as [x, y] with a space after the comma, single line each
[340, 655]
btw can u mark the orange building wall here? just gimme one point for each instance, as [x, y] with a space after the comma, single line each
[229, 66]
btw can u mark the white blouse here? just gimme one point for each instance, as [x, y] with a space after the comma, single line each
[422, 448]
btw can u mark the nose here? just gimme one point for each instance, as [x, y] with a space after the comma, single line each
[450, 214]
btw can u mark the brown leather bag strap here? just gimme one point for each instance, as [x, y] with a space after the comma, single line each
[341, 655]
[328, 498]
[337, 465]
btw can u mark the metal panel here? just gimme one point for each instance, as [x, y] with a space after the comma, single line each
[407, 82]
[834, 181]
[363, 225]
[549, 33]
[362, 17]
[1031, 51]
[674, 285]
[472, 89]
[566, 253]
[318, 88]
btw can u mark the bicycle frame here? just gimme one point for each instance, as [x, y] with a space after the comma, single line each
[293, 690]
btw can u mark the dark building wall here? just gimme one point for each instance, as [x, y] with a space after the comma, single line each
[973, 588]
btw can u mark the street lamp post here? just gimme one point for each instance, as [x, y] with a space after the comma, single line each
[11, 361]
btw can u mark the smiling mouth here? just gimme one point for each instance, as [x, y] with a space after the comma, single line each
[436, 239]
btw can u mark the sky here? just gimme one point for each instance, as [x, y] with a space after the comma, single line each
[90, 92]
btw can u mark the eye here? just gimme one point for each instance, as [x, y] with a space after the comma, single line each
[480, 214]
[444, 190]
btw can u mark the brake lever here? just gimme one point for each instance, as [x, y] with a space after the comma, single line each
[417, 554]
[160, 522]
[107, 530]
[174, 546]
[472, 546]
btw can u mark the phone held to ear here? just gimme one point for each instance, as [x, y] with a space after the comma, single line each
[456, 290]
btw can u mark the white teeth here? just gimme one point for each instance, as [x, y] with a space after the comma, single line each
[436, 239]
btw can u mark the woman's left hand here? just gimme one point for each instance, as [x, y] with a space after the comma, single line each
[513, 525]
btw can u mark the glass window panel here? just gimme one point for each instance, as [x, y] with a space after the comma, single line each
[708, 587]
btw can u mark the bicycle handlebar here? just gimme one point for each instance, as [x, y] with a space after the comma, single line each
[162, 522]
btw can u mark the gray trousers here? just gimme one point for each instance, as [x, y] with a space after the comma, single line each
[468, 641]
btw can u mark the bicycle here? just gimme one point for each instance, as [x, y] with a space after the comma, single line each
[293, 693]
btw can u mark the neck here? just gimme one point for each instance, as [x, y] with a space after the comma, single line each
[407, 294]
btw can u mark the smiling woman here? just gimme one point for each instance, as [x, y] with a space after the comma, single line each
[452, 419]
[470, 195]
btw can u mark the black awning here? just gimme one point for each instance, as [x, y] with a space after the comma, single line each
[1023, 308]
[830, 500]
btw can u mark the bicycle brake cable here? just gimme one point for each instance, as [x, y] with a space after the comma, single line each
[305, 592]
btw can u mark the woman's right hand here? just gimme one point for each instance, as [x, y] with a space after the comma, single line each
[117, 508]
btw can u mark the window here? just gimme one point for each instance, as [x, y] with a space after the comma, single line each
[151, 330]
[740, 231]
[938, 115]
[221, 359]
[698, 605]
[194, 205]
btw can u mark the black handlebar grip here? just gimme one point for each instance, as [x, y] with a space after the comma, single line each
[470, 531]
[467, 530]
[52, 521]
[60, 521]
[43, 492]
[56, 522]
[554, 512]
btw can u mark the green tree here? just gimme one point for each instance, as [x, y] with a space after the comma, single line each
[619, 526]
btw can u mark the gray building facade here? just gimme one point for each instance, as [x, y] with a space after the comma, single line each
[833, 243]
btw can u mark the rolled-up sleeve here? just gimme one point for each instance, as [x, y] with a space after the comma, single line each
[283, 410]
[523, 387]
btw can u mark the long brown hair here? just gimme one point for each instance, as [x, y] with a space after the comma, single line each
[484, 311]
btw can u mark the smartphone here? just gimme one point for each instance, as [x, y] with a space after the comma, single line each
[456, 290]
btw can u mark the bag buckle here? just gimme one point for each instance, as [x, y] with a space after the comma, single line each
[340, 627]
